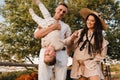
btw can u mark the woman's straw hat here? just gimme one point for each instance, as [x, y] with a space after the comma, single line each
[85, 12]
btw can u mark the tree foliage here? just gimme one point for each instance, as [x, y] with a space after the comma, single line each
[17, 35]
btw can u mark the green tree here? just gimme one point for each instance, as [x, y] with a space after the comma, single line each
[17, 37]
[109, 10]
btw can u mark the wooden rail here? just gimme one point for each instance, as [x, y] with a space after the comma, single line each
[17, 64]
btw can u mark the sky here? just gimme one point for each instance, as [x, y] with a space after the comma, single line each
[1, 18]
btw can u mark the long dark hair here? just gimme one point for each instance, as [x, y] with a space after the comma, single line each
[98, 37]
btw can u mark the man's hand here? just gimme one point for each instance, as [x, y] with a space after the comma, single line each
[31, 11]
[56, 26]
[36, 1]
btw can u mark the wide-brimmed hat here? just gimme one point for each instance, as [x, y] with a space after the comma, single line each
[85, 12]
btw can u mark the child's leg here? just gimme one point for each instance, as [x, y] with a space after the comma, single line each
[40, 21]
[43, 10]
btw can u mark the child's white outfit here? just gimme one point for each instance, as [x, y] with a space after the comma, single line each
[53, 38]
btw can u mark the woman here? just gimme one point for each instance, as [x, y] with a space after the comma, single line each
[89, 47]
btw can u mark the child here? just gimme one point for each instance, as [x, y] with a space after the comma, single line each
[53, 39]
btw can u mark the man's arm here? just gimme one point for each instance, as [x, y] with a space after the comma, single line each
[41, 32]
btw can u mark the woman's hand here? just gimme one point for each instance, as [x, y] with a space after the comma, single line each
[74, 36]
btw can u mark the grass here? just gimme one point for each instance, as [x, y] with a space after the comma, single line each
[115, 71]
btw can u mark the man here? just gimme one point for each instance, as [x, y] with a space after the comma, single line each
[52, 41]
[45, 71]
